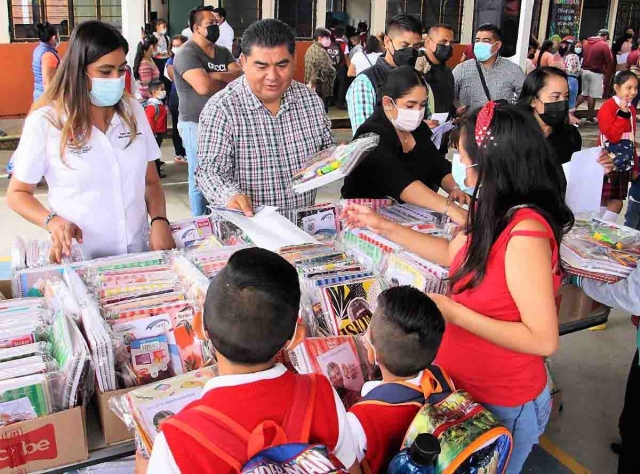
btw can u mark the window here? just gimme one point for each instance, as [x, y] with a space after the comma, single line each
[535, 18]
[241, 13]
[299, 15]
[64, 14]
[506, 15]
[431, 12]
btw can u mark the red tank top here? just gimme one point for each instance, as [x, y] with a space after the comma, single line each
[491, 374]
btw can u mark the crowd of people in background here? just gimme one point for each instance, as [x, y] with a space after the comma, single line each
[243, 126]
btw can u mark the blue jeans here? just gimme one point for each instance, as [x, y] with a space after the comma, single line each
[189, 134]
[632, 217]
[573, 91]
[527, 423]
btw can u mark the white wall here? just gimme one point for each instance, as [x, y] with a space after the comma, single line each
[4, 22]
[359, 10]
[133, 19]
[158, 6]
[378, 16]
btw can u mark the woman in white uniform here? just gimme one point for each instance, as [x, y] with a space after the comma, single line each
[95, 148]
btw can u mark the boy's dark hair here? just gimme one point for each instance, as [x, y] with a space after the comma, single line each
[155, 85]
[222, 12]
[406, 330]
[404, 22]
[252, 306]
[497, 32]
[268, 33]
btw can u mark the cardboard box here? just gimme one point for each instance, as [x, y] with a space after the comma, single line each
[575, 305]
[44, 443]
[113, 428]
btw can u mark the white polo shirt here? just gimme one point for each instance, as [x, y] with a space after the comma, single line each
[99, 187]
[226, 36]
[162, 461]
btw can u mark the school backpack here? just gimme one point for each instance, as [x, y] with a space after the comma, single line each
[270, 447]
[471, 439]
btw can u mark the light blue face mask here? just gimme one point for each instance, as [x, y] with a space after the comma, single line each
[459, 173]
[106, 92]
[482, 51]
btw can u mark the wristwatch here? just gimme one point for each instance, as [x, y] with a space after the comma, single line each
[49, 218]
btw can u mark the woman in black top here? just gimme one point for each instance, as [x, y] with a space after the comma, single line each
[545, 94]
[406, 165]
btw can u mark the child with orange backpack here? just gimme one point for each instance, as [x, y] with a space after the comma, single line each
[255, 406]
[156, 113]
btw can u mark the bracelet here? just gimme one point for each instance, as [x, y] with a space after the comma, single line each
[446, 207]
[49, 218]
[159, 218]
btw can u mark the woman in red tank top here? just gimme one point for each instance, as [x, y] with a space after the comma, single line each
[505, 270]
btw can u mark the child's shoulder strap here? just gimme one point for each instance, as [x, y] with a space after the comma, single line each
[394, 393]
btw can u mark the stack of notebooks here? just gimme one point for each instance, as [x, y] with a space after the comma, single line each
[405, 268]
[45, 364]
[145, 408]
[206, 232]
[211, 261]
[333, 163]
[149, 310]
[31, 253]
[320, 221]
[600, 250]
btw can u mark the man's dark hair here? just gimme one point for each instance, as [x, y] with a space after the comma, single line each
[339, 31]
[155, 85]
[406, 330]
[252, 306]
[437, 26]
[221, 12]
[321, 32]
[490, 27]
[362, 26]
[268, 33]
[195, 15]
[404, 22]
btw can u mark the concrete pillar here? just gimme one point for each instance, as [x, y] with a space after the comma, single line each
[613, 15]
[133, 19]
[466, 36]
[378, 16]
[522, 46]
[544, 20]
[268, 9]
[4, 23]
[321, 13]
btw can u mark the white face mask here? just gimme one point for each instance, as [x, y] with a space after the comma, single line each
[162, 31]
[408, 119]
[161, 95]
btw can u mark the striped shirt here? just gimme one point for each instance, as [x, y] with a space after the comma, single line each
[504, 80]
[244, 149]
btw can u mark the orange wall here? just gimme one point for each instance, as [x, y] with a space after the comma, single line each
[16, 83]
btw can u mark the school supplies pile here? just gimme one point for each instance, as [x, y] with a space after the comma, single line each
[343, 360]
[600, 250]
[149, 302]
[339, 294]
[206, 232]
[320, 221]
[334, 163]
[145, 408]
[420, 219]
[211, 261]
[44, 361]
[406, 268]
[32, 253]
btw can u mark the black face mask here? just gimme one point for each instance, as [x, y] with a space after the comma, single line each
[443, 53]
[405, 57]
[555, 113]
[213, 33]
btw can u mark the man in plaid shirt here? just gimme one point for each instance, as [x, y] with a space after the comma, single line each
[401, 41]
[262, 128]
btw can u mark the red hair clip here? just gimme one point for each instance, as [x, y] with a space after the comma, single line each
[483, 123]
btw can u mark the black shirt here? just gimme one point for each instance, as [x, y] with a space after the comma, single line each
[440, 79]
[565, 141]
[387, 170]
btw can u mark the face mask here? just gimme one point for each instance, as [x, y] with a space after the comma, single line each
[375, 356]
[459, 173]
[106, 92]
[175, 49]
[443, 52]
[57, 43]
[325, 42]
[162, 31]
[405, 57]
[161, 95]
[408, 119]
[555, 113]
[482, 51]
[213, 33]
[578, 50]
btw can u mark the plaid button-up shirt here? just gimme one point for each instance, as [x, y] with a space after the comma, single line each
[244, 149]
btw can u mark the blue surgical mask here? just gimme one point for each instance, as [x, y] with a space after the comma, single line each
[106, 92]
[459, 173]
[482, 51]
